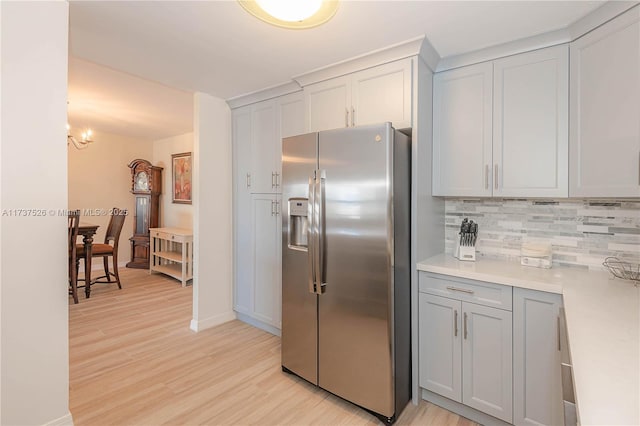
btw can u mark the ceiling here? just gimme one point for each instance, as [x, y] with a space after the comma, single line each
[218, 48]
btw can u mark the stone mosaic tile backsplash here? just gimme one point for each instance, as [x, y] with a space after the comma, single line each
[582, 232]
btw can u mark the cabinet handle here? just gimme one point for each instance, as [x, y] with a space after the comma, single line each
[495, 177]
[463, 290]
[277, 208]
[277, 179]
[248, 180]
[455, 323]
[353, 117]
[273, 180]
[346, 117]
[465, 325]
[486, 176]
[272, 209]
[558, 332]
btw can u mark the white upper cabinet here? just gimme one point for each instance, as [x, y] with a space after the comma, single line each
[291, 123]
[258, 130]
[291, 112]
[530, 124]
[264, 147]
[328, 104]
[382, 94]
[605, 110]
[462, 112]
[375, 95]
[500, 128]
[241, 134]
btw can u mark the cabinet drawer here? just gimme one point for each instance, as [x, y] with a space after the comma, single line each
[170, 237]
[162, 235]
[480, 292]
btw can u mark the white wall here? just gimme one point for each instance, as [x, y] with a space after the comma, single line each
[34, 373]
[212, 206]
[99, 180]
[172, 215]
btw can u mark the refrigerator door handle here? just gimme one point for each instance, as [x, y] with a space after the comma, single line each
[321, 258]
[311, 235]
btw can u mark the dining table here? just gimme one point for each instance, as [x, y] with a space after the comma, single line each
[87, 231]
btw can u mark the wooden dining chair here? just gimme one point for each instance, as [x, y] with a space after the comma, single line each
[74, 221]
[107, 249]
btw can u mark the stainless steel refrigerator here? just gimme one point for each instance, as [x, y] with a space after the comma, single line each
[345, 264]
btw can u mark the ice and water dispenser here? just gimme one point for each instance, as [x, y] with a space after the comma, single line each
[298, 223]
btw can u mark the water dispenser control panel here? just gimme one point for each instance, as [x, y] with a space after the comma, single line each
[298, 206]
[298, 223]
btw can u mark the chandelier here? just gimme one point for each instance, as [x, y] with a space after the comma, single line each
[86, 138]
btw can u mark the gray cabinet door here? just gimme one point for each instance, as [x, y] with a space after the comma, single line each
[605, 106]
[440, 348]
[265, 289]
[486, 360]
[536, 358]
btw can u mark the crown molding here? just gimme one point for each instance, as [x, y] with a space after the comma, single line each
[429, 54]
[598, 17]
[506, 49]
[421, 47]
[588, 23]
[385, 55]
[263, 94]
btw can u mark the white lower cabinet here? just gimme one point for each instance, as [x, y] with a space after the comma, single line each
[536, 358]
[486, 360]
[466, 352]
[440, 346]
[257, 289]
[491, 347]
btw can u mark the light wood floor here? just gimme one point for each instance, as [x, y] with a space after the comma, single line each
[134, 361]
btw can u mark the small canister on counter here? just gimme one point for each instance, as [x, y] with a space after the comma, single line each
[536, 254]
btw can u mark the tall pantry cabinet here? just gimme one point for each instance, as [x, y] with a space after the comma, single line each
[257, 132]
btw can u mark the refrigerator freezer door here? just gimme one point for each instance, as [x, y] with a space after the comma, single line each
[299, 306]
[355, 359]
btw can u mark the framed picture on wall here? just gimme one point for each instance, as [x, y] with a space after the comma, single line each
[181, 177]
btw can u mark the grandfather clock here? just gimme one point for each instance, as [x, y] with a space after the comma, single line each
[146, 186]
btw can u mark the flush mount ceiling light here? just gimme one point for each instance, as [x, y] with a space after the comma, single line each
[293, 14]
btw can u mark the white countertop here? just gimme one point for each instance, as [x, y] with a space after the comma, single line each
[603, 329]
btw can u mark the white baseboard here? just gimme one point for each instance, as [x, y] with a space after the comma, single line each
[462, 410]
[203, 324]
[259, 324]
[66, 420]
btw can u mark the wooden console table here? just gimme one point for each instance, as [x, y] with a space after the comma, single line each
[172, 253]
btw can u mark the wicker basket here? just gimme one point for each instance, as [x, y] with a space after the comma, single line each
[624, 270]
